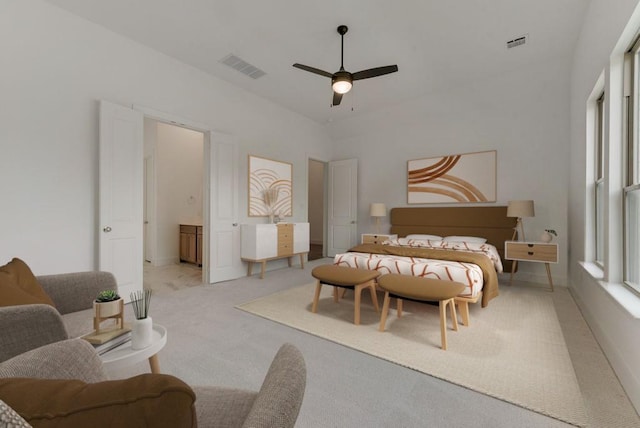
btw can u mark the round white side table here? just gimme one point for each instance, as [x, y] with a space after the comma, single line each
[124, 356]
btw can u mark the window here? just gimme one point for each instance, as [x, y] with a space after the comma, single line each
[631, 189]
[599, 181]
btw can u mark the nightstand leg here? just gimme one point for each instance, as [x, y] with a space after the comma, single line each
[514, 265]
[549, 275]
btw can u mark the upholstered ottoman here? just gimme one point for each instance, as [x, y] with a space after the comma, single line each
[420, 289]
[345, 277]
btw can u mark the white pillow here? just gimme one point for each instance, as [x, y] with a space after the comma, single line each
[474, 239]
[431, 237]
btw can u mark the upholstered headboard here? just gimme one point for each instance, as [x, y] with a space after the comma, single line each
[490, 223]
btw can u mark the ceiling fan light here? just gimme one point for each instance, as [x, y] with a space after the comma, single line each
[341, 85]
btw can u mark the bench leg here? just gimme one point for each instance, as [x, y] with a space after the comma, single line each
[399, 307]
[443, 323]
[463, 307]
[358, 297]
[374, 296]
[385, 311]
[336, 294]
[316, 297]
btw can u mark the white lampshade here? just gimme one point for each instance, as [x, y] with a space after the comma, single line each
[341, 86]
[378, 210]
[520, 209]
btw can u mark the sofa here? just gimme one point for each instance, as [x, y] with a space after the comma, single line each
[51, 378]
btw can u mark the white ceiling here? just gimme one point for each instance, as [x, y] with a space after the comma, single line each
[435, 43]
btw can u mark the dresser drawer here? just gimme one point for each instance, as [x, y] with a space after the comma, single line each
[534, 252]
[285, 231]
[285, 248]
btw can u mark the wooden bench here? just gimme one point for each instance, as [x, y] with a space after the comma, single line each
[420, 289]
[345, 277]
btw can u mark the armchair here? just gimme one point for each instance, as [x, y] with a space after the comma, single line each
[26, 327]
[71, 372]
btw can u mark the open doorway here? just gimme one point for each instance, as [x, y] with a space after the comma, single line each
[173, 202]
[316, 204]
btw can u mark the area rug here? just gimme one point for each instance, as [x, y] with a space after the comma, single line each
[513, 349]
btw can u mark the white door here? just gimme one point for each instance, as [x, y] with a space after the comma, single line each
[342, 210]
[121, 196]
[148, 210]
[224, 233]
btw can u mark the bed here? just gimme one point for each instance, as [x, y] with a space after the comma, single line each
[475, 264]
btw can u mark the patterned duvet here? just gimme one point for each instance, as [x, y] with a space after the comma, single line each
[466, 273]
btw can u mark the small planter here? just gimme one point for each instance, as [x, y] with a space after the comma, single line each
[141, 333]
[142, 326]
[107, 310]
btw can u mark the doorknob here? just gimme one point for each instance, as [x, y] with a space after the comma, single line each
[353, 222]
[234, 224]
[106, 229]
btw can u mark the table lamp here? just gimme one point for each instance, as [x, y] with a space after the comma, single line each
[378, 210]
[520, 209]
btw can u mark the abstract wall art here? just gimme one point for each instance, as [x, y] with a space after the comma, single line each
[270, 188]
[463, 178]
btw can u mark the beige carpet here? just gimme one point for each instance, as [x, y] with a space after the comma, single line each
[513, 350]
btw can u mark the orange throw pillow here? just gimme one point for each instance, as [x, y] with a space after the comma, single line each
[18, 285]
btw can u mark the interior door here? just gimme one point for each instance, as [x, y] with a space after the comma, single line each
[121, 196]
[342, 206]
[148, 236]
[224, 233]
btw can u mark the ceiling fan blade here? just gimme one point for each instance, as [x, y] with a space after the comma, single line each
[336, 99]
[313, 70]
[374, 72]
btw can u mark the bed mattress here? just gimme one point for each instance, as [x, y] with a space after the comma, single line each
[469, 274]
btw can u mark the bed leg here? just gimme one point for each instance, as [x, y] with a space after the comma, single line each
[463, 307]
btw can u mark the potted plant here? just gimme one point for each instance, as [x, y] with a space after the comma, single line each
[548, 235]
[108, 304]
[142, 327]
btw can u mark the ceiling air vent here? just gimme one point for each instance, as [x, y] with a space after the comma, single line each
[517, 41]
[242, 66]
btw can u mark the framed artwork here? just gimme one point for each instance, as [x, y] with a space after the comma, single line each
[270, 187]
[463, 178]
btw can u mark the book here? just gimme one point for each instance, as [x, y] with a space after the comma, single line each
[106, 335]
[113, 343]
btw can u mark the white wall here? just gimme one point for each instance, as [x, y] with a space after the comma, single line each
[55, 68]
[523, 115]
[608, 29]
[179, 183]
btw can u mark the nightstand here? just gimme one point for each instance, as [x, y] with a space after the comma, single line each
[372, 238]
[539, 252]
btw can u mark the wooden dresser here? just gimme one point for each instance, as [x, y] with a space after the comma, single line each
[191, 243]
[264, 242]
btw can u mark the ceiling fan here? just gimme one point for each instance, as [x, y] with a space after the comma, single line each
[342, 80]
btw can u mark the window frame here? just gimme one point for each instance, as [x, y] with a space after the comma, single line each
[631, 183]
[599, 182]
